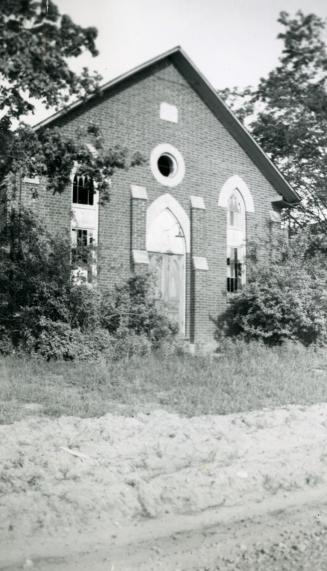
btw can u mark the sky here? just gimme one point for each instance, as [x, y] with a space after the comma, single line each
[233, 42]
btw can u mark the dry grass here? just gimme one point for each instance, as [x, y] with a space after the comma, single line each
[243, 377]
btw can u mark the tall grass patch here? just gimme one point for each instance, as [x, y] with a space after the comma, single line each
[243, 377]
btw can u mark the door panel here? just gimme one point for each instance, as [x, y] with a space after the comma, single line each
[169, 270]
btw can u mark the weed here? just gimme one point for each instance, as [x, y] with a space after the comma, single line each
[247, 376]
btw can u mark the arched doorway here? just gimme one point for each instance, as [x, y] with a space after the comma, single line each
[167, 246]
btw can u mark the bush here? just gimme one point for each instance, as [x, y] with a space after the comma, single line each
[84, 306]
[42, 311]
[34, 276]
[131, 345]
[57, 340]
[6, 344]
[131, 307]
[285, 298]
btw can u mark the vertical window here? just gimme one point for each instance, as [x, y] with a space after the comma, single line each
[83, 256]
[236, 240]
[83, 190]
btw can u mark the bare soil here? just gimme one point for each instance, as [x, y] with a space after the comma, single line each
[162, 491]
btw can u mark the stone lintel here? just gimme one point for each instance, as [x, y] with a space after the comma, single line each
[140, 257]
[200, 263]
[197, 202]
[139, 192]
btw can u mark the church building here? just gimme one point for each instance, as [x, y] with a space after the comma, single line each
[188, 211]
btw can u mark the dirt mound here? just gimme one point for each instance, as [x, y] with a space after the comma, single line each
[81, 475]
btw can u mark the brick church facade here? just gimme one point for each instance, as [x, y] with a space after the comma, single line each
[187, 213]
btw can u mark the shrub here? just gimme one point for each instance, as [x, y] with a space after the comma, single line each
[6, 344]
[34, 273]
[57, 340]
[285, 298]
[132, 307]
[131, 345]
[43, 311]
[84, 305]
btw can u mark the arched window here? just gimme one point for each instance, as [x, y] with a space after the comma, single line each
[83, 190]
[236, 241]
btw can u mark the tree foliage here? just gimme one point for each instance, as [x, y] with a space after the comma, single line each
[36, 42]
[287, 112]
[51, 154]
[43, 310]
[36, 46]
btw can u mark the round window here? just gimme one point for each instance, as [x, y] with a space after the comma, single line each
[167, 165]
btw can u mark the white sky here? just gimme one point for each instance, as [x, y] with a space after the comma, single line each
[233, 42]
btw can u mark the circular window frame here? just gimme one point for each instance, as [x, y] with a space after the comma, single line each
[177, 159]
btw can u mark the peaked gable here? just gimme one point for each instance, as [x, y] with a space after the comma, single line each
[209, 96]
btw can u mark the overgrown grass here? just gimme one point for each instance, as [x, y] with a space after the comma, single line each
[243, 377]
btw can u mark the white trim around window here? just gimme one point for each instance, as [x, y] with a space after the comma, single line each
[236, 183]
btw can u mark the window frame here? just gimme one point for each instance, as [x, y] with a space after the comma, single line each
[84, 267]
[236, 263]
[91, 192]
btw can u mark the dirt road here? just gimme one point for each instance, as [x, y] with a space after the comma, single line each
[245, 491]
[288, 533]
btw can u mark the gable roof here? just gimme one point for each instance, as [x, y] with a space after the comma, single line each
[210, 97]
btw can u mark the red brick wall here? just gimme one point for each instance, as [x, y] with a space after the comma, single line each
[129, 116]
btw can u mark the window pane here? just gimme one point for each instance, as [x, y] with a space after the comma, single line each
[83, 190]
[83, 194]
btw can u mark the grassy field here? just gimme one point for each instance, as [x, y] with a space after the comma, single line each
[243, 377]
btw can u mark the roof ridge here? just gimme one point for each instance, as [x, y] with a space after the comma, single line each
[209, 95]
[108, 84]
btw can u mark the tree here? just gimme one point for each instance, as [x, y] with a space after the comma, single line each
[41, 308]
[36, 43]
[287, 113]
[43, 311]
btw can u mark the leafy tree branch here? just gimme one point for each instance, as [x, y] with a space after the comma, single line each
[287, 112]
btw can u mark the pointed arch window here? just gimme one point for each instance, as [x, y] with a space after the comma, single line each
[236, 242]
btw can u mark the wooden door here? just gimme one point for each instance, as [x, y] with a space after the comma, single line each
[169, 270]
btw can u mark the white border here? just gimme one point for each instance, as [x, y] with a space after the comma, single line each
[170, 181]
[157, 206]
[233, 183]
[168, 201]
